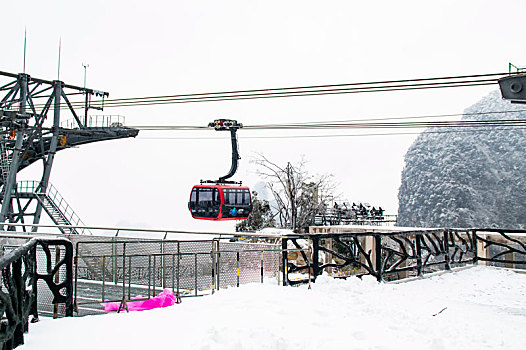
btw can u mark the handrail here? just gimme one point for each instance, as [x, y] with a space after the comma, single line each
[96, 121]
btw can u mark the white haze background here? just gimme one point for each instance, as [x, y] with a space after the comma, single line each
[137, 48]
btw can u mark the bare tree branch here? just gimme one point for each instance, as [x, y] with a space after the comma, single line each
[299, 196]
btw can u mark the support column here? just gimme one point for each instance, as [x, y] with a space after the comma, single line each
[418, 245]
[368, 245]
[329, 244]
[10, 184]
[481, 251]
[447, 258]
[284, 260]
[315, 257]
[57, 92]
[378, 257]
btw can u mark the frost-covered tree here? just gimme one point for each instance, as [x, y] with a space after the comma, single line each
[298, 195]
[260, 217]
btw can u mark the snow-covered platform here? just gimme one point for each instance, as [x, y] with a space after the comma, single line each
[475, 308]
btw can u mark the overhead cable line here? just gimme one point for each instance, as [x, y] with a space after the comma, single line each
[262, 126]
[366, 125]
[379, 86]
[474, 130]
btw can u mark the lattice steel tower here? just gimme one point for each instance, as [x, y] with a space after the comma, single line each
[27, 135]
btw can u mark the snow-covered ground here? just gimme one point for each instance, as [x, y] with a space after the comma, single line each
[476, 308]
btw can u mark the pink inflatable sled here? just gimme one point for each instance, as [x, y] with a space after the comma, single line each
[163, 299]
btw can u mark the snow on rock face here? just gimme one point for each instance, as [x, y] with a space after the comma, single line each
[478, 308]
[467, 179]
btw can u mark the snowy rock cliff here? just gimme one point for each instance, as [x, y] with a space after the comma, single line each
[471, 178]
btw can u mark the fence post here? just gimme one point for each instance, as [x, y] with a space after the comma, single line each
[149, 275]
[178, 267]
[237, 270]
[418, 243]
[115, 264]
[262, 271]
[315, 257]
[76, 262]
[195, 274]
[446, 250]
[163, 262]
[475, 248]
[154, 274]
[123, 270]
[129, 276]
[285, 260]
[213, 256]
[378, 257]
[103, 278]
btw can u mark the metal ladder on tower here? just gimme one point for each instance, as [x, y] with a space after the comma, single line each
[5, 162]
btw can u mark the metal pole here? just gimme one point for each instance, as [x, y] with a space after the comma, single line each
[237, 271]
[262, 272]
[446, 250]
[284, 259]
[173, 272]
[418, 242]
[149, 274]
[178, 264]
[213, 256]
[218, 269]
[378, 251]
[163, 263]
[154, 273]
[475, 248]
[315, 257]
[124, 271]
[195, 274]
[15, 160]
[103, 277]
[57, 85]
[129, 277]
[114, 262]
[75, 261]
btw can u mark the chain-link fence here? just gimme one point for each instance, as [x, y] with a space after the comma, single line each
[122, 270]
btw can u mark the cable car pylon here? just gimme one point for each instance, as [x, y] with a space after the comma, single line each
[222, 199]
[31, 133]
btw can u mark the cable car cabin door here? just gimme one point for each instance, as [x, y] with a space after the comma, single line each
[220, 202]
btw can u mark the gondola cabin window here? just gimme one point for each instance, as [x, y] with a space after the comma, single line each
[205, 202]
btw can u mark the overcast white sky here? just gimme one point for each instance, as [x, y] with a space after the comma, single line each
[149, 48]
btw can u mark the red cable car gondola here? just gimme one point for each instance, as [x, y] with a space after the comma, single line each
[220, 202]
[222, 199]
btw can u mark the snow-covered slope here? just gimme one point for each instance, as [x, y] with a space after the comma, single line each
[467, 179]
[477, 308]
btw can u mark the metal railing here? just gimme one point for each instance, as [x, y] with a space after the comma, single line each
[96, 121]
[120, 270]
[395, 254]
[24, 275]
[115, 268]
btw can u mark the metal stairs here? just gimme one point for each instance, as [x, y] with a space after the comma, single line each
[54, 204]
